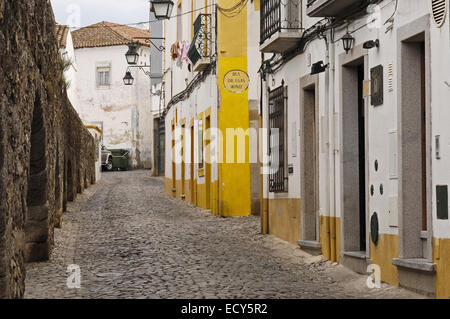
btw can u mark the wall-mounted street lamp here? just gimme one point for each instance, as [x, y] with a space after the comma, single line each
[128, 79]
[132, 57]
[318, 67]
[132, 54]
[162, 9]
[371, 44]
[347, 42]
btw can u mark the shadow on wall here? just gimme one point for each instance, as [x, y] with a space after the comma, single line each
[46, 154]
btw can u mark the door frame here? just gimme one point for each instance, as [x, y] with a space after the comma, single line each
[409, 242]
[309, 82]
[357, 54]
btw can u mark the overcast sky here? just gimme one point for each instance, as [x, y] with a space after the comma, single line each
[86, 12]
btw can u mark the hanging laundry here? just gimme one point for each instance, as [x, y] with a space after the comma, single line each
[184, 51]
[174, 50]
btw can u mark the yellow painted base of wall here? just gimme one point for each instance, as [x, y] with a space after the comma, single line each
[168, 186]
[195, 194]
[382, 255]
[330, 237]
[441, 256]
[284, 218]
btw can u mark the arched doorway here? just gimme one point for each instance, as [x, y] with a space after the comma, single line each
[70, 192]
[36, 222]
[79, 182]
[65, 185]
[86, 185]
[58, 197]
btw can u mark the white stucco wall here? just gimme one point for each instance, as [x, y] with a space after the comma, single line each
[382, 120]
[124, 111]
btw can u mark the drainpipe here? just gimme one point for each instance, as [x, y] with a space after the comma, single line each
[326, 244]
[265, 153]
[333, 147]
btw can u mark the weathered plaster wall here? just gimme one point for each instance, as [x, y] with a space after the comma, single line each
[40, 133]
[125, 111]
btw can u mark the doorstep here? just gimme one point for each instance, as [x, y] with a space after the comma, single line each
[417, 274]
[311, 247]
[356, 261]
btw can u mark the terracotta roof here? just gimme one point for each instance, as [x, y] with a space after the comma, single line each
[61, 34]
[105, 34]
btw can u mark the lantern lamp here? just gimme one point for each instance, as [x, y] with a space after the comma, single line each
[162, 9]
[347, 41]
[128, 79]
[132, 54]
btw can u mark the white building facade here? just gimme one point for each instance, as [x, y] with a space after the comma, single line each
[123, 113]
[367, 141]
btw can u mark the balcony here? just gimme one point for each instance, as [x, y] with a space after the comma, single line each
[331, 8]
[201, 46]
[280, 25]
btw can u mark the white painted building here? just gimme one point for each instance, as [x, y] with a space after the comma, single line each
[367, 136]
[123, 113]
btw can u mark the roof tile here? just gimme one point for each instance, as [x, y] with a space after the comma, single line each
[104, 34]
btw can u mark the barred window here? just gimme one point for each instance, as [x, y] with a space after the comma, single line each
[277, 140]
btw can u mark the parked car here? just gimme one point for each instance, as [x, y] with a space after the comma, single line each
[107, 159]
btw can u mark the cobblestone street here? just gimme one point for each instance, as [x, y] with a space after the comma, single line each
[132, 240]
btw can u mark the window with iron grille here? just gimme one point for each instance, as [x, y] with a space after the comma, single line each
[277, 140]
[279, 15]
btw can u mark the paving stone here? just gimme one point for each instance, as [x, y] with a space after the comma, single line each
[132, 240]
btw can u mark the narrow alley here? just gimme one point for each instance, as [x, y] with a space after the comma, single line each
[132, 240]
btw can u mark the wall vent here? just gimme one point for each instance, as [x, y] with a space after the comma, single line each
[439, 10]
[390, 77]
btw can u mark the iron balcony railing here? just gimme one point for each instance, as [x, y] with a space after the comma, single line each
[310, 3]
[201, 45]
[279, 15]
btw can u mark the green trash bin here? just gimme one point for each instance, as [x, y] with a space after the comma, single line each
[120, 159]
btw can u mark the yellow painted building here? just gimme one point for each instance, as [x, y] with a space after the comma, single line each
[210, 104]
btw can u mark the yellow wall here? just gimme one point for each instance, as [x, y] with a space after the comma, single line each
[441, 256]
[233, 113]
[284, 218]
[330, 237]
[382, 255]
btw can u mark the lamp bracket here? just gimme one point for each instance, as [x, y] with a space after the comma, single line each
[160, 48]
[143, 68]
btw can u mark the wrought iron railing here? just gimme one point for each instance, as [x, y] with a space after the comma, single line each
[277, 172]
[279, 15]
[310, 3]
[201, 46]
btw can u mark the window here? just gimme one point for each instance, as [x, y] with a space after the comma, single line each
[277, 137]
[103, 76]
[200, 143]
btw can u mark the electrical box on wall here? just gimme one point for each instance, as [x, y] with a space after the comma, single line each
[393, 154]
[442, 201]
[376, 85]
[393, 212]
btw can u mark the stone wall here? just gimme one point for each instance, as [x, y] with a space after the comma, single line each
[46, 154]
